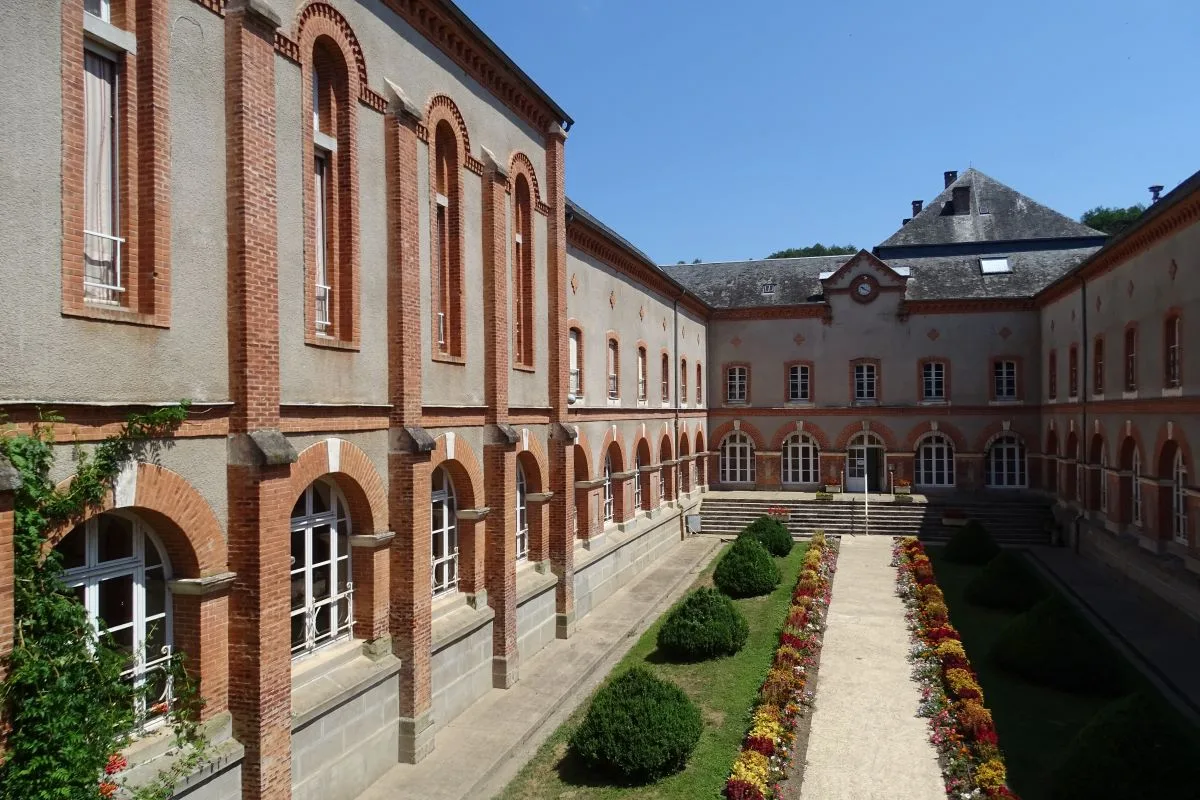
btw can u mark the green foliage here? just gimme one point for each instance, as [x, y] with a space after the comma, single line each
[815, 250]
[1135, 749]
[1112, 220]
[64, 698]
[1008, 582]
[747, 570]
[824, 495]
[705, 625]
[771, 534]
[1052, 645]
[971, 544]
[638, 727]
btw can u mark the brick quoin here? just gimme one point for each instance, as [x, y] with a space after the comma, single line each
[500, 475]
[6, 580]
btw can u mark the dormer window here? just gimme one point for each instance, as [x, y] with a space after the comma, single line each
[768, 288]
[994, 266]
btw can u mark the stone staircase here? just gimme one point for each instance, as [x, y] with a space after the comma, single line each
[1015, 521]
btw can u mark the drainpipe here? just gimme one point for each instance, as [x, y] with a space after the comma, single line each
[1084, 354]
[683, 532]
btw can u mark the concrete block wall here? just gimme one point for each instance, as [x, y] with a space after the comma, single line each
[461, 670]
[535, 618]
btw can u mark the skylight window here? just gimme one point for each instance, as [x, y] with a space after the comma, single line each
[768, 288]
[994, 266]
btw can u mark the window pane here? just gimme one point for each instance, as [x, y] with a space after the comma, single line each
[114, 537]
[116, 601]
[100, 220]
[156, 592]
[73, 547]
[321, 585]
[320, 543]
[297, 630]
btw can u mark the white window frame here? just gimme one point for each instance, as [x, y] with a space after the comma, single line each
[1179, 510]
[699, 385]
[933, 463]
[105, 289]
[522, 515]
[799, 383]
[575, 385]
[1004, 379]
[1174, 348]
[664, 387]
[446, 535]
[641, 383]
[103, 9]
[609, 501]
[637, 486]
[737, 459]
[1136, 488]
[614, 386]
[801, 460]
[866, 382]
[736, 383]
[1131, 348]
[683, 386]
[1006, 465]
[322, 289]
[933, 381]
[86, 581]
[336, 519]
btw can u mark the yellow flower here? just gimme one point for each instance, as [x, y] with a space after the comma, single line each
[950, 647]
[961, 680]
[752, 767]
[991, 774]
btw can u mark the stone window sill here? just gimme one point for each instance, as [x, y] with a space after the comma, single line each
[322, 691]
[331, 343]
[108, 313]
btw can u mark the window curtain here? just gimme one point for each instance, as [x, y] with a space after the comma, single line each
[101, 266]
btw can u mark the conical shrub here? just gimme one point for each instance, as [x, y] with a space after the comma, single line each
[747, 570]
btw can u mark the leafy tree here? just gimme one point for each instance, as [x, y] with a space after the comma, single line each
[1111, 220]
[815, 250]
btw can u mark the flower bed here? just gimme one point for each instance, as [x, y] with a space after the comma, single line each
[766, 755]
[779, 512]
[960, 725]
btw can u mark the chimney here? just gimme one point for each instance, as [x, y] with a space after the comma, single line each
[917, 204]
[904, 222]
[962, 199]
[951, 176]
[1155, 191]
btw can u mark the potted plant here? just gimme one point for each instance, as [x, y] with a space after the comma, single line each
[954, 517]
[902, 486]
[833, 488]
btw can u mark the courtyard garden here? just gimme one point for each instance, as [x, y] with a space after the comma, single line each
[707, 702]
[1025, 697]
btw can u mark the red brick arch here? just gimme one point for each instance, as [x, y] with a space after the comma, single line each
[533, 458]
[605, 444]
[855, 428]
[464, 468]
[810, 429]
[921, 429]
[699, 441]
[581, 441]
[520, 164]
[718, 435]
[996, 429]
[1161, 452]
[355, 475]
[182, 518]
[684, 443]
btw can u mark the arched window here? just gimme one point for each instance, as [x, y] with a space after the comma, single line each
[641, 374]
[322, 585]
[699, 385]
[614, 366]
[523, 285]
[637, 482]
[935, 461]
[522, 515]
[575, 362]
[608, 489]
[801, 459]
[444, 525]
[1172, 352]
[1179, 510]
[737, 459]
[118, 571]
[1005, 463]
[448, 284]
[664, 386]
[683, 394]
[1136, 487]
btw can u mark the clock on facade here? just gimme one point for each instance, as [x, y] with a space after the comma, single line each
[863, 288]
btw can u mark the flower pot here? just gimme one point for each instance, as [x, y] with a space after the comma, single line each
[834, 488]
[903, 490]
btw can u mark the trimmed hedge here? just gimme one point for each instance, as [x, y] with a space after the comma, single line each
[771, 534]
[638, 727]
[971, 544]
[747, 570]
[1052, 645]
[1134, 749]
[705, 625]
[1008, 582]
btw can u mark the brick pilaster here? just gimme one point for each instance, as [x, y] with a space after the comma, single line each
[495, 295]
[372, 583]
[200, 619]
[500, 474]
[8, 480]
[560, 539]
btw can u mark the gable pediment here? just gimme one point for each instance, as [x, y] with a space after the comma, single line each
[860, 265]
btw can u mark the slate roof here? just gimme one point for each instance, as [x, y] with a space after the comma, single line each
[1010, 217]
[958, 277]
[738, 284]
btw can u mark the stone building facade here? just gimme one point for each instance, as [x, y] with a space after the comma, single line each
[440, 412]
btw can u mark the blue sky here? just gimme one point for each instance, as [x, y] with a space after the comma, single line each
[724, 131]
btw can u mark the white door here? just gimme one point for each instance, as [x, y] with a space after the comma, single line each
[856, 469]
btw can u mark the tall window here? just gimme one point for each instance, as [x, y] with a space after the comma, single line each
[1005, 463]
[608, 489]
[447, 256]
[1179, 513]
[637, 482]
[321, 244]
[614, 363]
[1004, 379]
[935, 461]
[801, 459]
[1103, 478]
[1131, 359]
[1073, 371]
[641, 367]
[664, 387]
[737, 459]
[699, 385]
[1136, 487]
[799, 383]
[933, 380]
[322, 585]
[444, 528]
[574, 362]
[523, 288]
[117, 571]
[865, 382]
[1098, 366]
[1173, 341]
[522, 515]
[683, 394]
[736, 379]
[102, 279]
[98, 8]
[1052, 376]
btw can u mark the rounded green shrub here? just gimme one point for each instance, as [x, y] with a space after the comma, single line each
[771, 534]
[638, 728]
[1008, 583]
[1136, 748]
[971, 544]
[705, 625]
[747, 570]
[1051, 645]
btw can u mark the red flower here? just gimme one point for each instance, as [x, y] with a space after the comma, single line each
[108, 789]
[741, 790]
[761, 744]
[116, 763]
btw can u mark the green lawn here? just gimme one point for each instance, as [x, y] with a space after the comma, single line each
[723, 688]
[1034, 723]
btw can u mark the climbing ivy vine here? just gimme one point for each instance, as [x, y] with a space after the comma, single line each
[67, 708]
